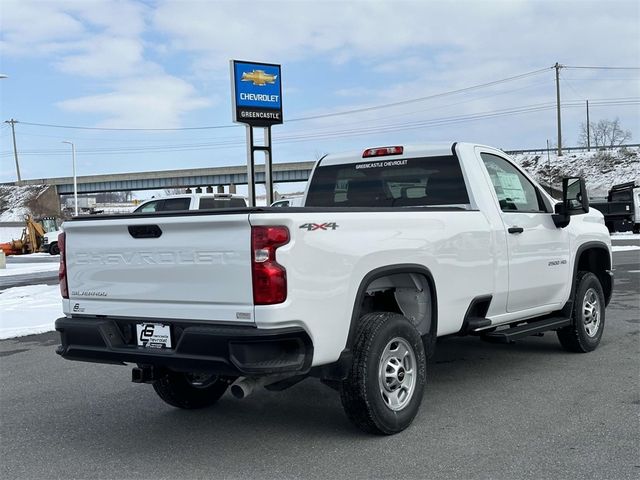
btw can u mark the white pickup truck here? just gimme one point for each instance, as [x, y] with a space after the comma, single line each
[394, 247]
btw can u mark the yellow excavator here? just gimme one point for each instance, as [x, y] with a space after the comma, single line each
[32, 237]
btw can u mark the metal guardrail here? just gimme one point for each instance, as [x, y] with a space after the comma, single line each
[570, 149]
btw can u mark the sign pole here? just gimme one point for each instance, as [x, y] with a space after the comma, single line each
[268, 171]
[251, 186]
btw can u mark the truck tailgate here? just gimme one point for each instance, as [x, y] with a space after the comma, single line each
[189, 267]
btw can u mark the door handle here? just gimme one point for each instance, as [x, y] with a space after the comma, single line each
[515, 230]
[145, 231]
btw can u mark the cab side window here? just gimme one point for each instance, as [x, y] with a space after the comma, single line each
[515, 192]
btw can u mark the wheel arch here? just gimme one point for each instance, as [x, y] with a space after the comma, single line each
[594, 257]
[381, 273]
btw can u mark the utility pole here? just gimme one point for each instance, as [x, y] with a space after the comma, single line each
[588, 130]
[12, 122]
[557, 66]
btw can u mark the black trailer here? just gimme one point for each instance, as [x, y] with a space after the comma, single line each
[622, 208]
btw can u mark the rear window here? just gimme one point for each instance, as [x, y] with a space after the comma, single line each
[427, 181]
[212, 202]
[171, 204]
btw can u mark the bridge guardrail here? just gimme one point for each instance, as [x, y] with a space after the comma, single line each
[570, 149]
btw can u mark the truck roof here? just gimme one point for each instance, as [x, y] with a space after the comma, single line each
[409, 151]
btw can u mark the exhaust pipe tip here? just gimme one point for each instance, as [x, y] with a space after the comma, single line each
[239, 391]
[245, 386]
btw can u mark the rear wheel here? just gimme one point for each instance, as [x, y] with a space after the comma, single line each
[54, 249]
[587, 319]
[384, 388]
[190, 390]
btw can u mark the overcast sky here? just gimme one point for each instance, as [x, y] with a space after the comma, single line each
[165, 64]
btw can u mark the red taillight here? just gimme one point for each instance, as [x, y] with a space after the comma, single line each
[62, 271]
[269, 277]
[382, 151]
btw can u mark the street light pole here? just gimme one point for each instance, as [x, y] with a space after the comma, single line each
[75, 180]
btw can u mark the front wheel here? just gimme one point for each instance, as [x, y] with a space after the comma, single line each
[54, 249]
[190, 390]
[587, 318]
[383, 390]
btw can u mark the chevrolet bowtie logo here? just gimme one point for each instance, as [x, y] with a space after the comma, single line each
[258, 77]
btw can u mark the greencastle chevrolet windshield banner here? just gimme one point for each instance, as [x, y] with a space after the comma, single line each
[256, 93]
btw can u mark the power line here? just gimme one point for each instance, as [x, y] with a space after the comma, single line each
[323, 134]
[76, 127]
[333, 134]
[345, 112]
[386, 117]
[429, 97]
[600, 68]
[311, 117]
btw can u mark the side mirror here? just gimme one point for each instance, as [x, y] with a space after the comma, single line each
[574, 196]
[575, 201]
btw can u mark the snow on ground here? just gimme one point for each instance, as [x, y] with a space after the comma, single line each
[624, 248]
[22, 268]
[625, 236]
[29, 310]
[36, 255]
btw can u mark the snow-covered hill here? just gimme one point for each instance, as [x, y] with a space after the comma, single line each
[15, 201]
[601, 169]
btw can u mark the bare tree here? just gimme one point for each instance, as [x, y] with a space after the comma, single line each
[605, 133]
[174, 191]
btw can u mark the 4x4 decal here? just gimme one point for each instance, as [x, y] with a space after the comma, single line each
[310, 227]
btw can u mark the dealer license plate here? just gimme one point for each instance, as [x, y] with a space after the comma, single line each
[154, 335]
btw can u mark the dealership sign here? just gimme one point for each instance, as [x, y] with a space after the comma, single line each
[256, 93]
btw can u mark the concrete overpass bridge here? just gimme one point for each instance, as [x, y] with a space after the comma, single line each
[193, 177]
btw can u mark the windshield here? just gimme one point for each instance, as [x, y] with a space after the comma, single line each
[410, 182]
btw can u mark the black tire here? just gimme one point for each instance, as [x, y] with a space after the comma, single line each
[361, 392]
[54, 249]
[584, 334]
[180, 390]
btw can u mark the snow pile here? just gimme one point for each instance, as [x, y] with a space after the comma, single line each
[14, 201]
[29, 310]
[601, 169]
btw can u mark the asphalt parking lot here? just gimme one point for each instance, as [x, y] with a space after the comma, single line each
[35, 278]
[527, 410]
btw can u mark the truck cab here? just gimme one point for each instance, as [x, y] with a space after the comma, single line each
[194, 201]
